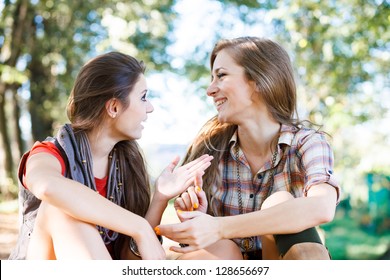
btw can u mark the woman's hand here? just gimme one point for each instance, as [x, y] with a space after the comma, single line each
[198, 231]
[174, 181]
[193, 199]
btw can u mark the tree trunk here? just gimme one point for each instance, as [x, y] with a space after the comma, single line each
[9, 163]
[41, 120]
[21, 20]
[17, 114]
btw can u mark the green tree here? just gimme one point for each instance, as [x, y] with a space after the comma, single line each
[341, 52]
[44, 43]
[337, 47]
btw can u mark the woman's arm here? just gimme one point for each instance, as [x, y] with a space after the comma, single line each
[288, 217]
[44, 180]
[172, 182]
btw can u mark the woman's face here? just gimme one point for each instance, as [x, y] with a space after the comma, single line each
[128, 125]
[234, 96]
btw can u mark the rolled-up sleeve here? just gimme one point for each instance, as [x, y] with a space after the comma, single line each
[317, 160]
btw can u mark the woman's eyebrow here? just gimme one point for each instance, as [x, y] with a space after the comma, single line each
[218, 69]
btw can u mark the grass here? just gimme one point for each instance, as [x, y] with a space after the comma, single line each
[347, 238]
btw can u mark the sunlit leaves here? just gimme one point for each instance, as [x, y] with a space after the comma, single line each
[10, 75]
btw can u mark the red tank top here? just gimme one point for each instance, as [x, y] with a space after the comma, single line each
[49, 147]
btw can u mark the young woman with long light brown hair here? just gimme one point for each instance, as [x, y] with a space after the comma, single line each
[271, 182]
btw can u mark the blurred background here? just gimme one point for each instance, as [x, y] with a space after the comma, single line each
[340, 51]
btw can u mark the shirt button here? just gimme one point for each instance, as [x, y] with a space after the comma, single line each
[251, 195]
[259, 176]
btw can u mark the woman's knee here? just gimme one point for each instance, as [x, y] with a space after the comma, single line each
[70, 238]
[40, 244]
[276, 198]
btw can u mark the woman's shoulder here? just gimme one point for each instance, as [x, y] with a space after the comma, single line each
[51, 148]
[44, 146]
[299, 136]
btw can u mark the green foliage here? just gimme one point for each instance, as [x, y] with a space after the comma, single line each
[349, 237]
[340, 51]
[59, 36]
[141, 28]
[43, 44]
[10, 75]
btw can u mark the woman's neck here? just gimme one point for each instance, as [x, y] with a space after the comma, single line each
[101, 146]
[256, 137]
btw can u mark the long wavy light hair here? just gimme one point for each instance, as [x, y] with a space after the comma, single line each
[267, 64]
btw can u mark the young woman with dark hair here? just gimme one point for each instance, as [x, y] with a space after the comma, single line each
[85, 193]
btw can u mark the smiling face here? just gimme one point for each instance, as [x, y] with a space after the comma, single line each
[235, 97]
[128, 123]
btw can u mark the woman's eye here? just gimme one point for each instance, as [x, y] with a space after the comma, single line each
[143, 98]
[220, 75]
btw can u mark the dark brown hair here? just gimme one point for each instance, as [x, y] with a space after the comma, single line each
[112, 75]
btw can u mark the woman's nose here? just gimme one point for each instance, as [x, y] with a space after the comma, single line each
[212, 89]
[149, 108]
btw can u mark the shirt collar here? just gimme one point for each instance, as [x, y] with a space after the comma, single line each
[287, 133]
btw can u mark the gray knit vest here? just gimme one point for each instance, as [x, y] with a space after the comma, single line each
[28, 203]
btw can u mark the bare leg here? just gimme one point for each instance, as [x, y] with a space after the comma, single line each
[56, 235]
[41, 245]
[270, 251]
[221, 250]
[305, 245]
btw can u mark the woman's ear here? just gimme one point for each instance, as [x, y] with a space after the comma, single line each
[255, 86]
[112, 107]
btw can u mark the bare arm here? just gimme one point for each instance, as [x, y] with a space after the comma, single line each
[45, 181]
[172, 182]
[288, 217]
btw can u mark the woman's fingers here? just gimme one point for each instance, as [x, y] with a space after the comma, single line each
[193, 197]
[187, 201]
[198, 182]
[179, 231]
[179, 204]
[193, 231]
[201, 163]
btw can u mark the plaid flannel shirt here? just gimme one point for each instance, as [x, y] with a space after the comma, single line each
[304, 159]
